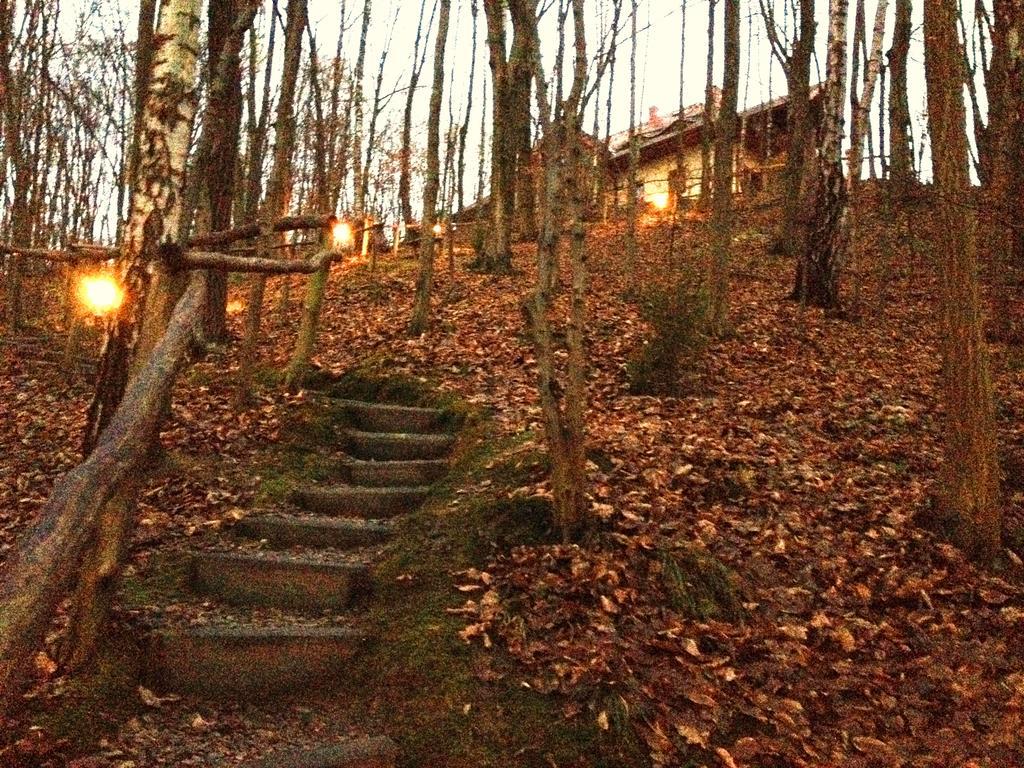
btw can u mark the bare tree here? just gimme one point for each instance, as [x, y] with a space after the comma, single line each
[634, 149]
[819, 268]
[151, 286]
[358, 182]
[707, 135]
[510, 79]
[421, 308]
[901, 150]
[721, 204]
[419, 57]
[970, 473]
[1004, 239]
[279, 186]
[795, 60]
[564, 406]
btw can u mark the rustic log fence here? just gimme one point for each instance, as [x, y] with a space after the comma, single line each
[47, 559]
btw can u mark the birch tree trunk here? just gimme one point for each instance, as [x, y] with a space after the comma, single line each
[823, 251]
[151, 289]
[970, 474]
[421, 308]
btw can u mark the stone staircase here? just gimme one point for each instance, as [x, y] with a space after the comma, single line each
[309, 564]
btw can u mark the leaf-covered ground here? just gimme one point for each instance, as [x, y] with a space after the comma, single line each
[762, 590]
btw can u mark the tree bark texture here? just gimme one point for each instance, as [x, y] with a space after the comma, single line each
[721, 203]
[970, 473]
[150, 289]
[421, 308]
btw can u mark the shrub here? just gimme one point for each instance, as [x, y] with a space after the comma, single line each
[668, 362]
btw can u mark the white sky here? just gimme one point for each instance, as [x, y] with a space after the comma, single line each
[658, 51]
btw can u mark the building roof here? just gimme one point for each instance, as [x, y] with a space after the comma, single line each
[664, 129]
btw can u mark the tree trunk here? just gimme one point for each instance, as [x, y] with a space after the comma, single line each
[707, 136]
[634, 152]
[358, 172]
[901, 150]
[818, 282]
[1002, 237]
[421, 309]
[405, 159]
[44, 563]
[218, 146]
[279, 186]
[721, 205]
[460, 193]
[150, 288]
[970, 474]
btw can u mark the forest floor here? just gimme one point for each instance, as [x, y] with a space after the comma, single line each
[763, 590]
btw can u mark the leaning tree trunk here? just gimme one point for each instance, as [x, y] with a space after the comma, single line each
[721, 203]
[823, 251]
[970, 473]
[151, 289]
[421, 309]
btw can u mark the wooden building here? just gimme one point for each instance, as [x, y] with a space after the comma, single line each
[662, 182]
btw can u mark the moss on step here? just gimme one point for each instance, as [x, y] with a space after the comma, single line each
[443, 701]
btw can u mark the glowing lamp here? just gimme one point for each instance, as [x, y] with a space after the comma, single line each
[438, 230]
[659, 200]
[342, 234]
[100, 294]
[234, 307]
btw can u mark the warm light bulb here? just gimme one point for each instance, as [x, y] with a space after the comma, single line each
[342, 233]
[437, 229]
[659, 200]
[101, 294]
[234, 307]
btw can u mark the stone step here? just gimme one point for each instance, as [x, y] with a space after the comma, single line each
[390, 473]
[381, 417]
[248, 662]
[370, 752]
[276, 580]
[281, 530]
[400, 446]
[355, 501]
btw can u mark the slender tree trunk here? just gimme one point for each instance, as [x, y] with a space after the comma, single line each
[822, 258]
[901, 150]
[970, 473]
[279, 186]
[151, 288]
[1003, 238]
[721, 204]
[707, 136]
[634, 151]
[421, 309]
[464, 129]
[405, 161]
[358, 171]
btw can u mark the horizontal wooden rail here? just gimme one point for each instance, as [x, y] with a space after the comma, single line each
[248, 231]
[74, 255]
[257, 264]
[45, 561]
